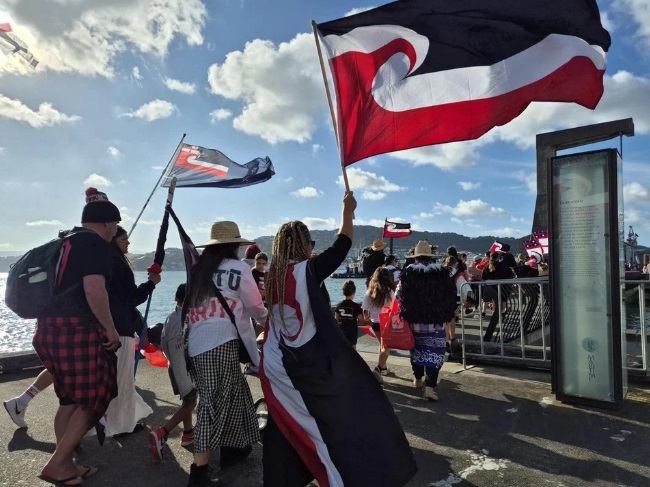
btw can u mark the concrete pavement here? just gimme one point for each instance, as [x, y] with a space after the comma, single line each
[492, 427]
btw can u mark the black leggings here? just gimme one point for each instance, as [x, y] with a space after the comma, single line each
[431, 373]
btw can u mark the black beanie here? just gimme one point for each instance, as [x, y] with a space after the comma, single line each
[98, 209]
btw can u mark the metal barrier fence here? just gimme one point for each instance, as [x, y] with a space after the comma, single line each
[518, 331]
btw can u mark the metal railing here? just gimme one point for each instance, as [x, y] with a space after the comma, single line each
[518, 331]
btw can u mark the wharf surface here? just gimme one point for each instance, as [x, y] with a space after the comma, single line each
[493, 426]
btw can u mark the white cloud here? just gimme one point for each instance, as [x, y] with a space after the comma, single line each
[154, 110]
[634, 192]
[469, 186]
[469, 208]
[44, 223]
[445, 156]
[320, 223]
[372, 196]
[97, 181]
[626, 96]
[87, 36]
[639, 11]
[307, 192]
[365, 180]
[220, 114]
[180, 86]
[374, 222]
[136, 73]
[357, 10]
[528, 178]
[46, 115]
[280, 87]
[316, 148]
[114, 152]
[374, 187]
[509, 232]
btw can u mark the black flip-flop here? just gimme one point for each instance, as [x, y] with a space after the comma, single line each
[90, 471]
[62, 482]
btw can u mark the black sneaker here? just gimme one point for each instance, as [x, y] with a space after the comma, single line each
[200, 477]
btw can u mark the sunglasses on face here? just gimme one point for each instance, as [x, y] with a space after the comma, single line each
[313, 244]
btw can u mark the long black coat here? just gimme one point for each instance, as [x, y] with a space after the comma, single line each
[124, 295]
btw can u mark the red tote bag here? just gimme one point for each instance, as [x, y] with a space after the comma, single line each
[395, 331]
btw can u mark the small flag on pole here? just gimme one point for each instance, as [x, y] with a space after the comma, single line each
[396, 230]
[499, 247]
[199, 167]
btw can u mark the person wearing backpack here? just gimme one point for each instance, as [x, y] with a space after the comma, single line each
[76, 340]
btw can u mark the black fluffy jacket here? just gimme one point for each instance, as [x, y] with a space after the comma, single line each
[426, 294]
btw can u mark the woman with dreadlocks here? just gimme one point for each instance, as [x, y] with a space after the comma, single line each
[313, 380]
[427, 300]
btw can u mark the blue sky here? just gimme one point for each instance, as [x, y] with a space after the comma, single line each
[120, 81]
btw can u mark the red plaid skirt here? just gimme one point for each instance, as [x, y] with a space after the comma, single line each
[83, 371]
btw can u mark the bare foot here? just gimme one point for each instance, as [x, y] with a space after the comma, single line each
[61, 475]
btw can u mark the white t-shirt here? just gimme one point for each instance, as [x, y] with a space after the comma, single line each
[374, 310]
[210, 325]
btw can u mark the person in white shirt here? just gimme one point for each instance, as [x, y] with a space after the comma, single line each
[225, 416]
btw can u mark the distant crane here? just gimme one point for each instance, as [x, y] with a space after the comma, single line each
[631, 243]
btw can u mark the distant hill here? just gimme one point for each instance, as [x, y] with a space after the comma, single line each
[363, 237]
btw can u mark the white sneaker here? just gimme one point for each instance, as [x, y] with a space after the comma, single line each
[17, 416]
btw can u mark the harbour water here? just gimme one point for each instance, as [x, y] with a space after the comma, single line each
[16, 333]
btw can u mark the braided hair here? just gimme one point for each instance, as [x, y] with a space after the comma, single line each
[292, 244]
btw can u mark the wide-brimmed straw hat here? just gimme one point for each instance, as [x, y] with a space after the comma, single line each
[225, 233]
[423, 249]
[378, 244]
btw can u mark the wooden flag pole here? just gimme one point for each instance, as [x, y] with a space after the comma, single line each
[314, 27]
[172, 159]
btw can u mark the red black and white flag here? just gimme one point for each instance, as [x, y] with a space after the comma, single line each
[396, 230]
[499, 247]
[537, 246]
[198, 167]
[420, 72]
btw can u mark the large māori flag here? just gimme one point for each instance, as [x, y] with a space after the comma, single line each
[422, 72]
[197, 167]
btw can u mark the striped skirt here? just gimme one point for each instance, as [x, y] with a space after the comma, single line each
[225, 414]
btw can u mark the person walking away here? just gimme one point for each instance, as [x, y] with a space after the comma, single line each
[391, 265]
[427, 300]
[312, 379]
[348, 314]
[77, 340]
[495, 270]
[226, 416]
[173, 346]
[374, 259]
[126, 411]
[380, 293]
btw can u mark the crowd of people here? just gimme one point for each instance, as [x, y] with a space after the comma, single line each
[87, 346]
[307, 363]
